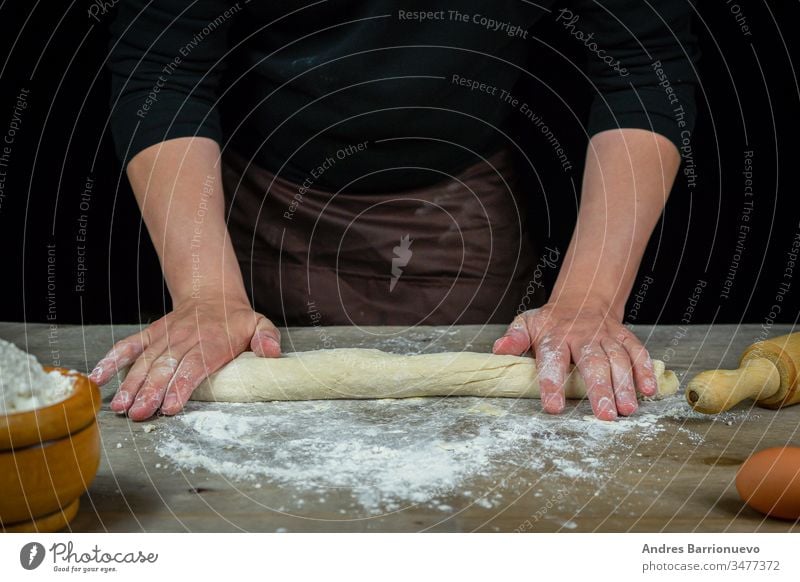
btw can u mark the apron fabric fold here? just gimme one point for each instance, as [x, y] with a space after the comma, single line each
[456, 252]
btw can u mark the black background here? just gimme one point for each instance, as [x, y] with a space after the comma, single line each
[748, 100]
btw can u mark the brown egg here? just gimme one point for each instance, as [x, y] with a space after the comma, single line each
[769, 481]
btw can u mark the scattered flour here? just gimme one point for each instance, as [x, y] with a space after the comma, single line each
[24, 385]
[411, 342]
[385, 455]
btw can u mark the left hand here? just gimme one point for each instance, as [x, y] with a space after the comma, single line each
[611, 360]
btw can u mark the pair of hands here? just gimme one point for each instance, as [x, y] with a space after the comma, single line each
[172, 356]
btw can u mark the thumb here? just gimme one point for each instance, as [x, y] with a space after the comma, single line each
[516, 340]
[266, 340]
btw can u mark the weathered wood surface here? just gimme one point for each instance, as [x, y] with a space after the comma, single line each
[673, 486]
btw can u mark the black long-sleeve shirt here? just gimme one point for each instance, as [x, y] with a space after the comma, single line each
[298, 85]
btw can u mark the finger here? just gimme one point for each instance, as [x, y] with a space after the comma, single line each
[151, 393]
[621, 376]
[552, 363]
[593, 367]
[644, 375]
[266, 340]
[517, 339]
[127, 391]
[195, 366]
[121, 355]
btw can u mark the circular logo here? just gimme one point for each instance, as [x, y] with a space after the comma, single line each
[31, 555]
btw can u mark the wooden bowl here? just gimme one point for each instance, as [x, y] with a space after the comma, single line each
[48, 458]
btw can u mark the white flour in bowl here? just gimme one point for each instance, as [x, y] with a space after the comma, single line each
[24, 385]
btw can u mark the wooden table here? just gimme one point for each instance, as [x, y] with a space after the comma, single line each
[671, 484]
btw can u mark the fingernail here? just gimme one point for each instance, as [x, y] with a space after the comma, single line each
[263, 337]
[629, 405]
[122, 398]
[96, 373]
[170, 401]
[604, 406]
[553, 403]
[137, 407]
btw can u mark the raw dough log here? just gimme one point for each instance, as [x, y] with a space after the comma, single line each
[366, 373]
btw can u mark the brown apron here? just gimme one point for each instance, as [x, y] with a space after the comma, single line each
[453, 253]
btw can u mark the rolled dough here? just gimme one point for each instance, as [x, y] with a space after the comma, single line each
[357, 373]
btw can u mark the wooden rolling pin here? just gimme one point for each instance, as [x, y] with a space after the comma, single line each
[767, 373]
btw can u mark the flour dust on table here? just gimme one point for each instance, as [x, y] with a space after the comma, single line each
[379, 456]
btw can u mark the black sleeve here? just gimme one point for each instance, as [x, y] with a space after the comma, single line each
[640, 59]
[165, 61]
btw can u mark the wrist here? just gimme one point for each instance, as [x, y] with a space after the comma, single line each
[209, 292]
[585, 299]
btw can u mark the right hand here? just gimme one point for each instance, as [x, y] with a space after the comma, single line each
[171, 357]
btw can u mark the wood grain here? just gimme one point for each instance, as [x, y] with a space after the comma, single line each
[675, 485]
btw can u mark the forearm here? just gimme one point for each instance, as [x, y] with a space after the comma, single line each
[629, 174]
[178, 186]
